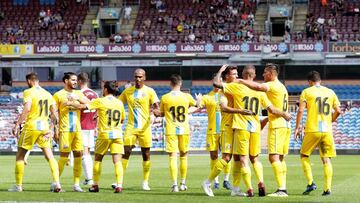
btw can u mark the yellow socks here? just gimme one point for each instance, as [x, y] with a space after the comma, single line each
[246, 175]
[278, 171]
[125, 163]
[258, 169]
[284, 167]
[236, 174]
[119, 173]
[173, 168]
[183, 168]
[227, 170]
[305, 162]
[219, 166]
[146, 170]
[54, 169]
[77, 170]
[97, 171]
[328, 173]
[19, 172]
[62, 161]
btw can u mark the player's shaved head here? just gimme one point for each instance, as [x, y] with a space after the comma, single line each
[140, 71]
[249, 72]
[139, 77]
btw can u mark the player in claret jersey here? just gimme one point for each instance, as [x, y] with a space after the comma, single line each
[139, 98]
[323, 108]
[38, 105]
[88, 128]
[111, 116]
[70, 138]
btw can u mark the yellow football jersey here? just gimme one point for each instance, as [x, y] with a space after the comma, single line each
[69, 118]
[111, 112]
[175, 105]
[246, 98]
[279, 97]
[41, 101]
[211, 102]
[139, 102]
[320, 101]
[227, 118]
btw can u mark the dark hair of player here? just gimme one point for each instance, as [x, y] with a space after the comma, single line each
[313, 76]
[67, 76]
[273, 66]
[32, 76]
[175, 79]
[111, 87]
[83, 77]
[227, 71]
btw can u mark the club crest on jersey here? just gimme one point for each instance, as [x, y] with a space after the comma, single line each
[66, 146]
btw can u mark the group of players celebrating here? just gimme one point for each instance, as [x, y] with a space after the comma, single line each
[234, 126]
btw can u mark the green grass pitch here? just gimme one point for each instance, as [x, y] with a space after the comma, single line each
[346, 182]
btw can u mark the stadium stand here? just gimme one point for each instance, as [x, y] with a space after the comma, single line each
[44, 21]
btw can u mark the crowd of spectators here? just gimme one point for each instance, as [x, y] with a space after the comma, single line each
[223, 21]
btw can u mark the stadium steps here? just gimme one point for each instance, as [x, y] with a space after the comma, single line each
[300, 17]
[87, 27]
[260, 18]
[127, 28]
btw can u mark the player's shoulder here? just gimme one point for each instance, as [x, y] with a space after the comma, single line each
[58, 93]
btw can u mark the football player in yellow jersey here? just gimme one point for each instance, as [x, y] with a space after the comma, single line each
[175, 107]
[215, 103]
[38, 106]
[70, 138]
[279, 129]
[228, 74]
[247, 129]
[139, 98]
[323, 108]
[111, 114]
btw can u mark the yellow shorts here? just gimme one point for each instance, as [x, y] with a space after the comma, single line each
[212, 142]
[116, 146]
[324, 141]
[144, 139]
[71, 141]
[279, 140]
[175, 143]
[246, 143]
[28, 138]
[227, 139]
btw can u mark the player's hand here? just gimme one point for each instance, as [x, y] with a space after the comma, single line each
[287, 116]
[73, 97]
[48, 135]
[15, 130]
[223, 68]
[247, 112]
[157, 112]
[198, 98]
[297, 134]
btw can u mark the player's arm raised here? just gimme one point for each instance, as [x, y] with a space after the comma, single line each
[217, 80]
[263, 87]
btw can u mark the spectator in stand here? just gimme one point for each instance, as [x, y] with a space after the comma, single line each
[12, 38]
[147, 24]
[127, 14]
[191, 37]
[332, 21]
[2, 15]
[42, 14]
[287, 37]
[84, 41]
[180, 28]
[333, 35]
